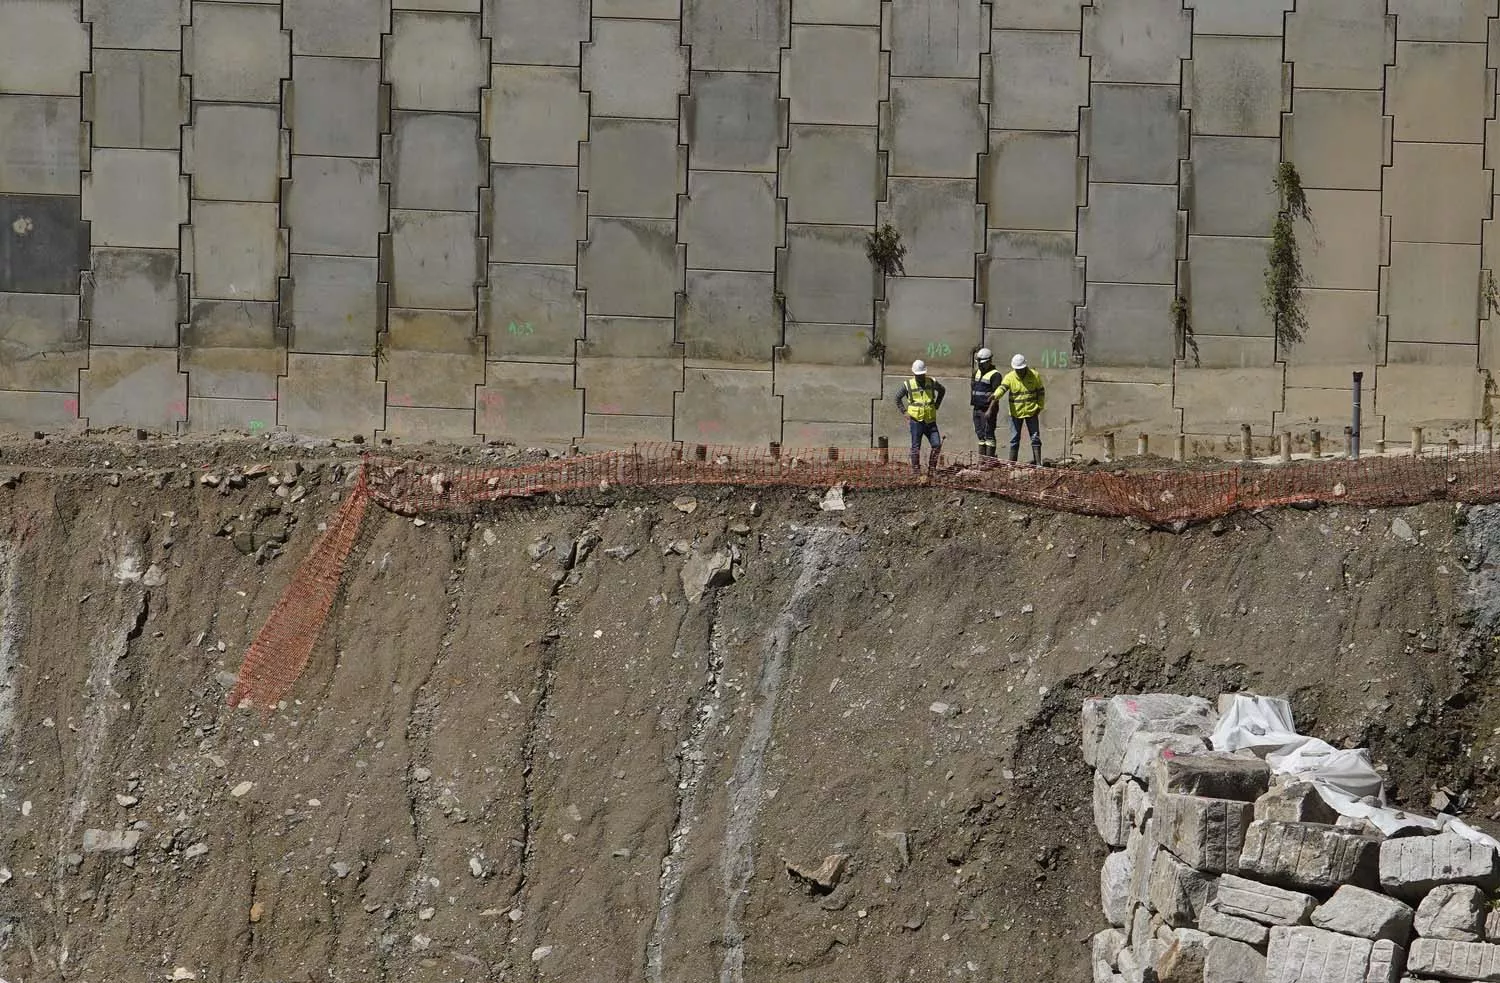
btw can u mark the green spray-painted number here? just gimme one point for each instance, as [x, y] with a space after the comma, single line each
[523, 329]
[257, 425]
[939, 349]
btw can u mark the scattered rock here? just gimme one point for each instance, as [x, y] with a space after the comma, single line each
[242, 789]
[1401, 529]
[155, 576]
[256, 911]
[126, 800]
[538, 549]
[833, 499]
[621, 552]
[420, 774]
[703, 571]
[822, 879]
[195, 851]
[540, 952]
[686, 506]
[426, 914]
[476, 866]
[340, 869]
[944, 709]
[5, 875]
[110, 840]
[754, 509]
[740, 528]
[209, 480]
[183, 973]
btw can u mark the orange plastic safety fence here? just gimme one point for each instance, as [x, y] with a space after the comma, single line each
[281, 650]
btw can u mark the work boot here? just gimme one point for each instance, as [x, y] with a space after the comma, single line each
[916, 460]
[1036, 455]
[1013, 451]
[932, 461]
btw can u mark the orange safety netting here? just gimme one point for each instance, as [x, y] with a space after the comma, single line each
[1172, 497]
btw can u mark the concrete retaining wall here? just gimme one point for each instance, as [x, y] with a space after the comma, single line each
[551, 220]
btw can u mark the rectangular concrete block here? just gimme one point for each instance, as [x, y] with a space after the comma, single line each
[537, 214]
[1036, 15]
[233, 350]
[1462, 20]
[331, 395]
[644, 9]
[434, 161]
[937, 38]
[335, 206]
[237, 250]
[535, 115]
[1354, 333]
[42, 343]
[1033, 180]
[1345, 252]
[1230, 187]
[629, 267]
[23, 412]
[529, 401]
[434, 260]
[735, 120]
[1258, 18]
[132, 387]
[1137, 41]
[537, 32]
[1109, 407]
[608, 336]
[824, 373]
[44, 243]
[1134, 133]
[1432, 293]
[136, 99]
[334, 305]
[431, 358]
[833, 75]
[44, 47]
[1032, 281]
[1341, 44]
[151, 24]
[1336, 137]
[531, 312]
[635, 68]
[633, 168]
[235, 152]
[1311, 955]
[1309, 856]
[435, 61]
[135, 198]
[429, 425]
[134, 297]
[1124, 324]
[730, 316]
[813, 434]
[737, 35]
[339, 28]
[620, 431]
[1412, 866]
[1224, 283]
[1454, 960]
[1219, 400]
[1240, 897]
[934, 127]
[244, 416]
[636, 387]
[728, 406]
[942, 226]
[1038, 80]
[335, 107]
[826, 276]
[730, 221]
[41, 145]
[831, 174]
[1129, 232]
[1236, 86]
[1442, 398]
[1440, 92]
[236, 52]
[931, 318]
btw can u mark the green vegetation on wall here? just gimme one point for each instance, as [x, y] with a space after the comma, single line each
[1285, 276]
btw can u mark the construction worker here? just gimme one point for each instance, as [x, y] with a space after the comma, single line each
[1028, 397]
[982, 398]
[919, 398]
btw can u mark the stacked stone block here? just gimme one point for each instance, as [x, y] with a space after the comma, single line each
[1224, 873]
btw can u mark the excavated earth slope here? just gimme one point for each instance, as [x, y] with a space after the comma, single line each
[500, 768]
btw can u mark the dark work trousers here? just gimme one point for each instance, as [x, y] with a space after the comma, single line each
[934, 439]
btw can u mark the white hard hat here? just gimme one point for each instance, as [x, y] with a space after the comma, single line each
[1018, 362]
[984, 354]
[919, 367]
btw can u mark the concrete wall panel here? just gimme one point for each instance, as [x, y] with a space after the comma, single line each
[234, 371]
[1439, 92]
[1345, 249]
[531, 312]
[435, 61]
[728, 406]
[335, 107]
[535, 115]
[831, 174]
[729, 316]
[135, 198]
[1033, 180]
[335, 206]
[601, 431]
[537, 32]
[44, 244]
[525, 401]
[635, 68]
[1436, 397]
[1456, 20]
[236, 52]
[1037, 15]
[1236, 86]
[432, 359]
[934, 128]
[41, 145]
[648, 9]
[937, 38]
[1137, 40]
[1336, 137]
[1220, 401]
[736, 35]
[617, 386]
[629, 266]
[941, 226]
[434, 162]
[136, 99]
[1437, 192]
[1038, 80]
[1259, 18]
[134, 297]
[434, 260]
[1126, 408]
[42, 343]
[235, 152]
[334, 304]
[729, 221]
[857, 12]
[1433, 293]
[633, 168]
[734, 120]
[537, 215]
[833, 75]
[237, 250]
[24, 412]
[1129, 232]
[132, 387]
[1130, 324]
[44, 47]
[1032, 281]
[609, 336]
[1340, 44]
[155, 24]
[1224, 283]
[1346, 329]
[932, 319]
[331, 394]
[826, 276]
[341, 28]
[211, 415]
[1231, 186]
[1134, 133]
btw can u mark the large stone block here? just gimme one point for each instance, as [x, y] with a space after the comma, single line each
[531, 312]
[934, 127]
[1148, 714]
[1109, 810]
[1134, 134]
[1236, 86]
[1296, 802]
[336, 206]
[635, 68]
[1436, 192]
[1227, 961]
[1033, 180]
[1129, 232]
[826, 276]
[937, 38]
[152, 24]
[1230, 186]
[942, 227]
[236, 52]
[1308, 856]
[1038, 80]
[1454, 960]
[633, 168]
[1114, 887]
[41, 145]
[1242, 898]
[1344, 250]
[1216, 775]
[335, 305]
[728, 406]
[535, 115]
[341, 28]
[136, 99]
[435, 61]
[729, 221]
[1177, 891]
[1142, 41]
[537, 32]
[1452, 911]
[434, 162]
[44, 244]
[135, 198]
[932, 319]
[1432, 293]
[1341, 44]
[1367, 914]
[538, 214]
[1336, 137]
[734, 120]
[335, 107]
[1224, 282]
[1257, 18]
[333, 395]
[729, 316]
[832, 174]
[528, 401]
[833, 75]
[134, 297]
[236, 250]
[1461, 20]
[434, 260]
[1412, 866]
[132, 387]
[1440, 93]
[42, 343]
[44, 48]
[1311, 955]
[1215, 922]
[1032, 281]
[629, 267]
[736, 35]
[235, 152]
[432, 359]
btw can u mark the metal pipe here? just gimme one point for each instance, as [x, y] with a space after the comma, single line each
[1354, 431]
[1109, 447]
[1317, 443]
[1416, 441]
[1247, 444]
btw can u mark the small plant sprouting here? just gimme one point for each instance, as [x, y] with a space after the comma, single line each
[1182, 323]
[885, 250]
[876, 350]
[1491, 293]
[779, 299]
[1285, 276]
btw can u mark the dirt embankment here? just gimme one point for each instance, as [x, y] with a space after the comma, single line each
[500, 766]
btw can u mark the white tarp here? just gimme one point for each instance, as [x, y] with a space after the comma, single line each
[1344, 779]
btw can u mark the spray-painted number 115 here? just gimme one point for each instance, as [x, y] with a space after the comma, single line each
[522, 329]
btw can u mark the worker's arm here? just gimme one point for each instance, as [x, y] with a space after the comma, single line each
[1001, 392]
[941, 392]
[901, 398]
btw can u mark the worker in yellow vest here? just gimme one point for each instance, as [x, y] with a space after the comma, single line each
[1028, 397]
[919, 399]
[982, 392]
